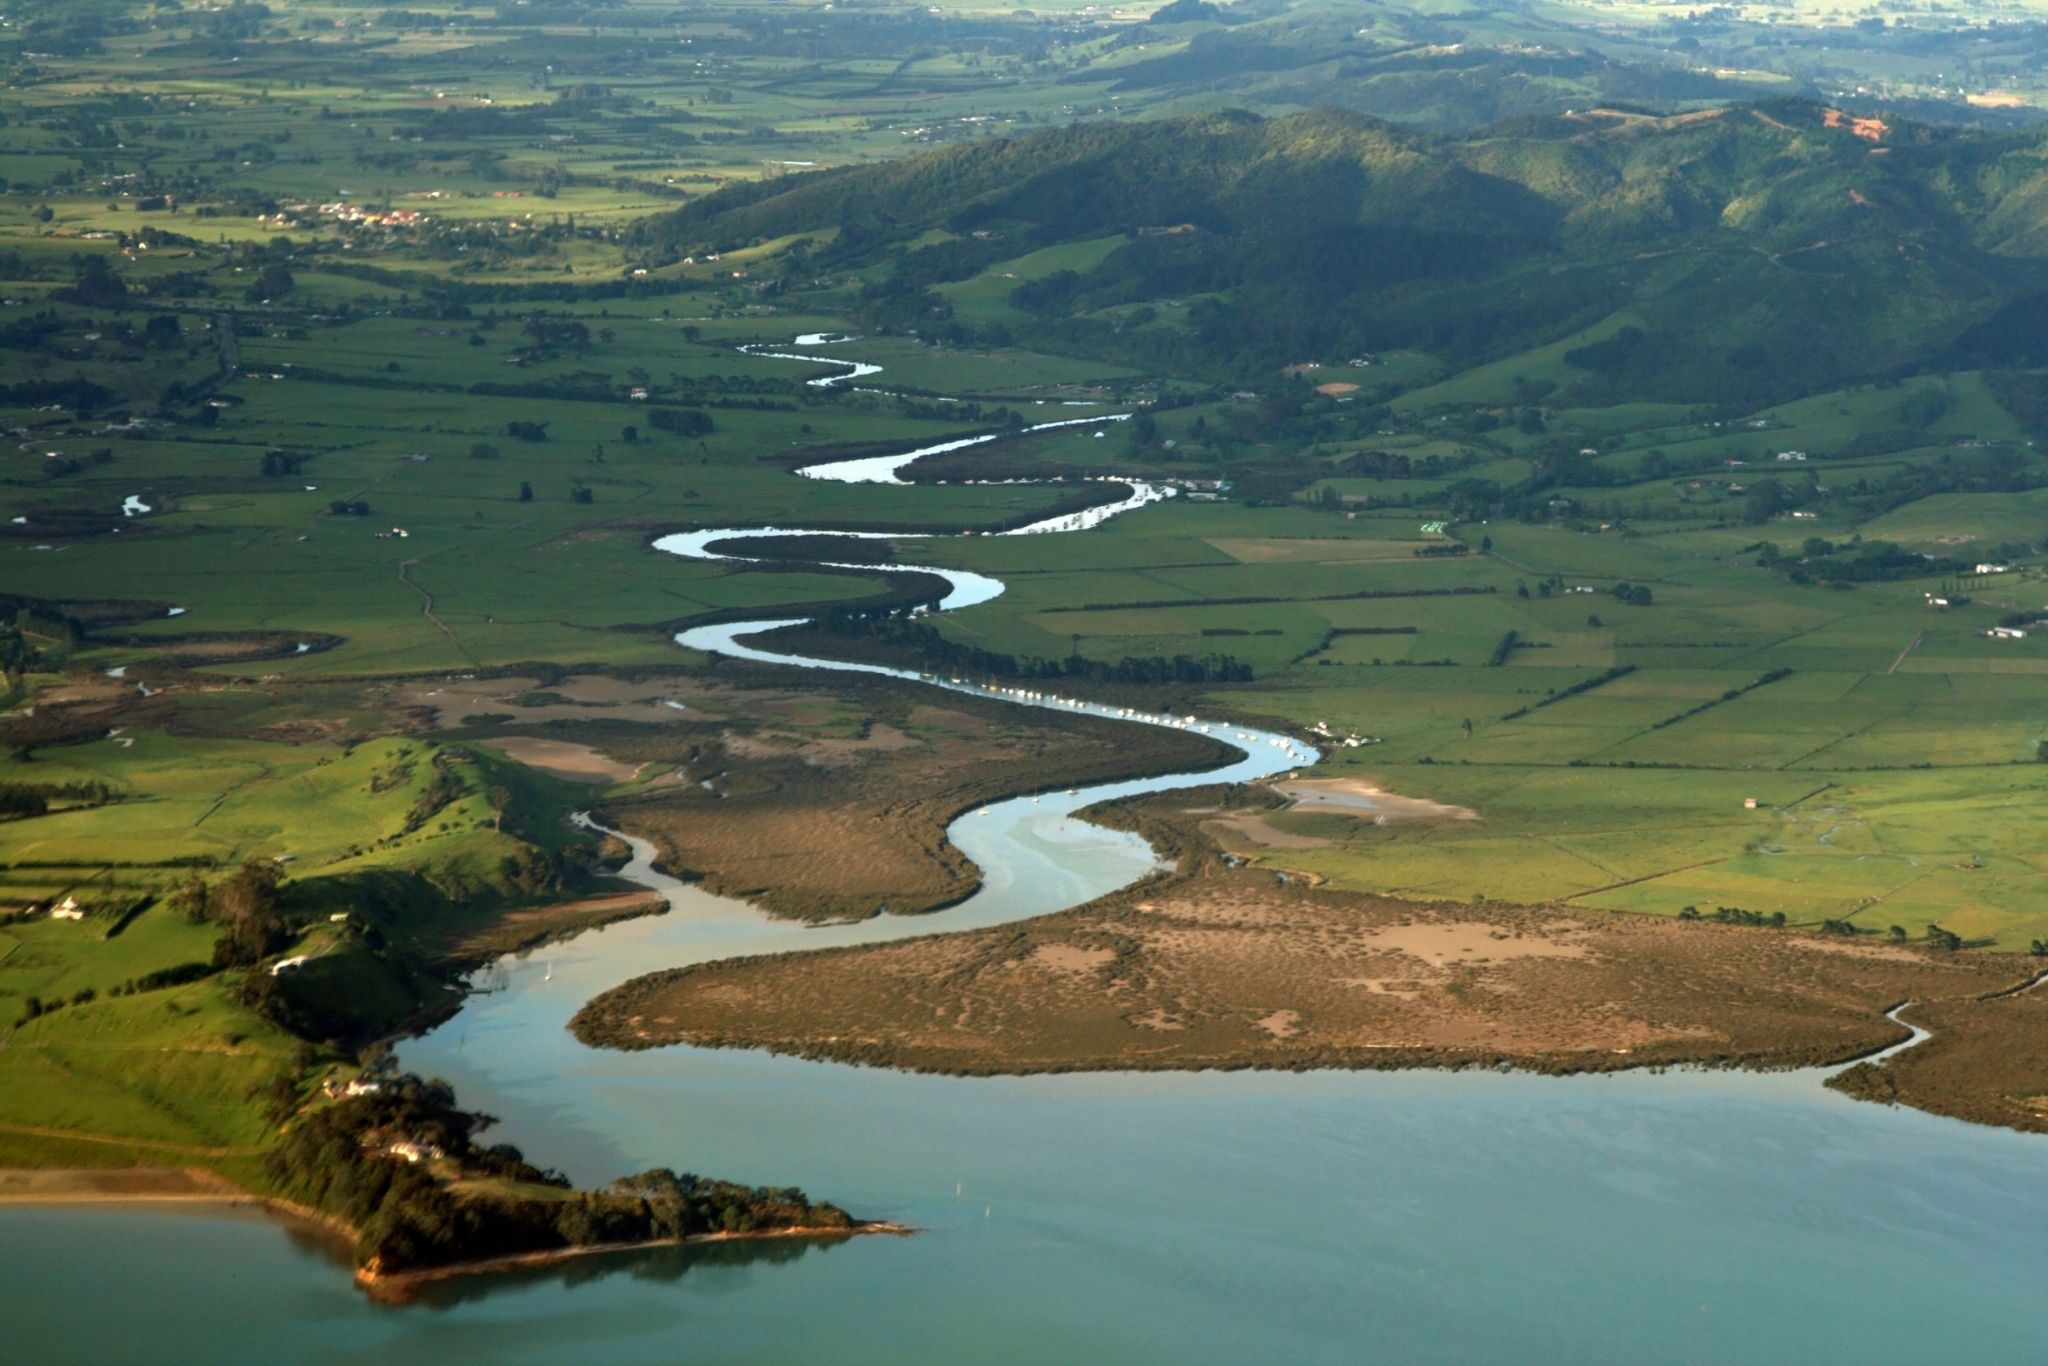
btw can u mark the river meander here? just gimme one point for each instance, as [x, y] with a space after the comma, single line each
[1216, 1217]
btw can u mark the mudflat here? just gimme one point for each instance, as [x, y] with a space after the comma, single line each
[827, 828]
[1987, 1061]
[1233, 968]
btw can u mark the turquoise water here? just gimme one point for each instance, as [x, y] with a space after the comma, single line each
[1207, 1218]
[1210, 1217]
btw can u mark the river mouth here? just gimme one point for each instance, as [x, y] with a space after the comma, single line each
[1420, 1207]
[1169, 1217]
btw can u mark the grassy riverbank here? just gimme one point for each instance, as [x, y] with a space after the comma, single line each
[222, 908]
[264, 892]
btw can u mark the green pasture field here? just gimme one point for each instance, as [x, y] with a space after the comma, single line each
[173, 1074]
[1495, 383]
[1921, 734]
[553, 579]
[999, 372]
[985, 298]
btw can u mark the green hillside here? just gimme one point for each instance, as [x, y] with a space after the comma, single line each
[1765, 251]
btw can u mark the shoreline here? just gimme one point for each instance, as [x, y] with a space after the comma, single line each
[1840, 1045]
[1859, 1074]
[187, 1189]
[181, 1188]
[392, 1287]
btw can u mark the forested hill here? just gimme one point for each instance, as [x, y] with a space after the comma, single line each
[1747, 251]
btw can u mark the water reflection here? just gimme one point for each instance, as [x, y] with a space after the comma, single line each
[725, 1264]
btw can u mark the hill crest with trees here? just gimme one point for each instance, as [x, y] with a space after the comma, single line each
[1757, 252]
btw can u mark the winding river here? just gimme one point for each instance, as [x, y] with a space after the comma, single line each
[1686, 1216]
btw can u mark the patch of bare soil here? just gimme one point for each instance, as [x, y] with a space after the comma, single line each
[1366, 799]
[561, 758]
[1870, 130]
[1442, 943]
[1255, 829]
[1072, 957]
[1281, 1024]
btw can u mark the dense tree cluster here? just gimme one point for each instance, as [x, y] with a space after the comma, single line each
[378, 1160]
[1329, 234]
[19, 800]
[245, 909]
